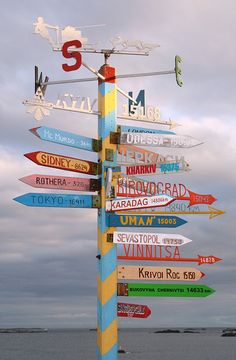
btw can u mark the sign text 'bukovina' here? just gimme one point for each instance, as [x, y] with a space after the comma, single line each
[64, 162]
[133, 310]
[66, 138]
[61, 182]
[161, 273]
[138, 202]
[59, 200]
[132, 289]
[121, 237]
[157, 140]
[115, 220]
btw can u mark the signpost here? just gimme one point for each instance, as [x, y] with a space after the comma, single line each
[132, 289]
[115, 220]
[200, 260]
[138, 202]
[120, 237]
[133, 310]
[66, 138]
[64, 162]
[157, 140]
[160, 273]
[61, 182]
[59, 200]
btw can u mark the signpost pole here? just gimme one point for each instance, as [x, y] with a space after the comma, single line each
[107, 337]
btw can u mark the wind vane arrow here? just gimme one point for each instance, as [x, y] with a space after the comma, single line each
[212, 212]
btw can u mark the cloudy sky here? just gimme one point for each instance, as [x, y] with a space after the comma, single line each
[47, 256]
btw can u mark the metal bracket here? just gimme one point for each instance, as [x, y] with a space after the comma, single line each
[95, 185]
[178, 71]
[122, 289]
[96, 201]
[110, 238]
[97, 145]
[109, 154]
[114, 137]
[38, 80]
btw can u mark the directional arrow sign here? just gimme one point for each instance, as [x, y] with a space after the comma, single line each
[133, 310]
[61, 182]
[138, 202]
[66, 138]
[132, 289]
[120, 237]
[63, 162]
[212, 212]
[59, 200]
[157, 140]
[135, 129]
[163, 273]
[194, 198]
[114, 220]
[210, 259]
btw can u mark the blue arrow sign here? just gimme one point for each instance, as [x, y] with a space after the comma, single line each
[143, 221]
[66, 138]
[59, 200]
[135, 129]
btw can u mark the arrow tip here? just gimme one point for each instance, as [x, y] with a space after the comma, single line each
[202, 274]
[34, 131]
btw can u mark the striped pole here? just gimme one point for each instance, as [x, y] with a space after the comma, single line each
[107, 275]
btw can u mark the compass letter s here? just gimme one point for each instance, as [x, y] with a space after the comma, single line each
[71, 54]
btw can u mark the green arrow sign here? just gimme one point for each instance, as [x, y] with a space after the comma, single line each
[132, 289]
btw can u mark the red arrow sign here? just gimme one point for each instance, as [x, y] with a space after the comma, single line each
[133, 310]
[210, 259]
[198, 198]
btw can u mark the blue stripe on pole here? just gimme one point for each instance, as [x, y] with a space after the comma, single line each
[106, 266]
[110, 315]
[110, 355]
[135, 129]
[55, 200]
[105, 88]
[64, 138]
[109, 118]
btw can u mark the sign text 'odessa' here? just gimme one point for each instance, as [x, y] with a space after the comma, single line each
[158, 140]
[132, 289]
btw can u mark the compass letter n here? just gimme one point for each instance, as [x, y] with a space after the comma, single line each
[68, 54]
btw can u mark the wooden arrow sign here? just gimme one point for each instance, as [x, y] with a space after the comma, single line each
[157, 140]
[138, 129]
[59, 200]
[130, 187]
[212, 212]
[138, 202]
[63, 162]
[133, 310]
[66, 138]
[120, 237]
[210, 259]
[61, 182]
[132, 289]
[114, 220]
[160, 273]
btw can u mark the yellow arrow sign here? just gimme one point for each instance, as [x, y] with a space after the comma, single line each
[212, 212]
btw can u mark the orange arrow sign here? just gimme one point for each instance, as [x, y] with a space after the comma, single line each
[209, 260]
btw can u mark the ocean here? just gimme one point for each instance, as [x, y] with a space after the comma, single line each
[139, 344]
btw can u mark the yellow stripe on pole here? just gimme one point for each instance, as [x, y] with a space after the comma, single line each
[108, 338]
[107, 288]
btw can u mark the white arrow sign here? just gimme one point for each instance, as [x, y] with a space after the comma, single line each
[139, 202]
[120, 237]
[158, 140]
